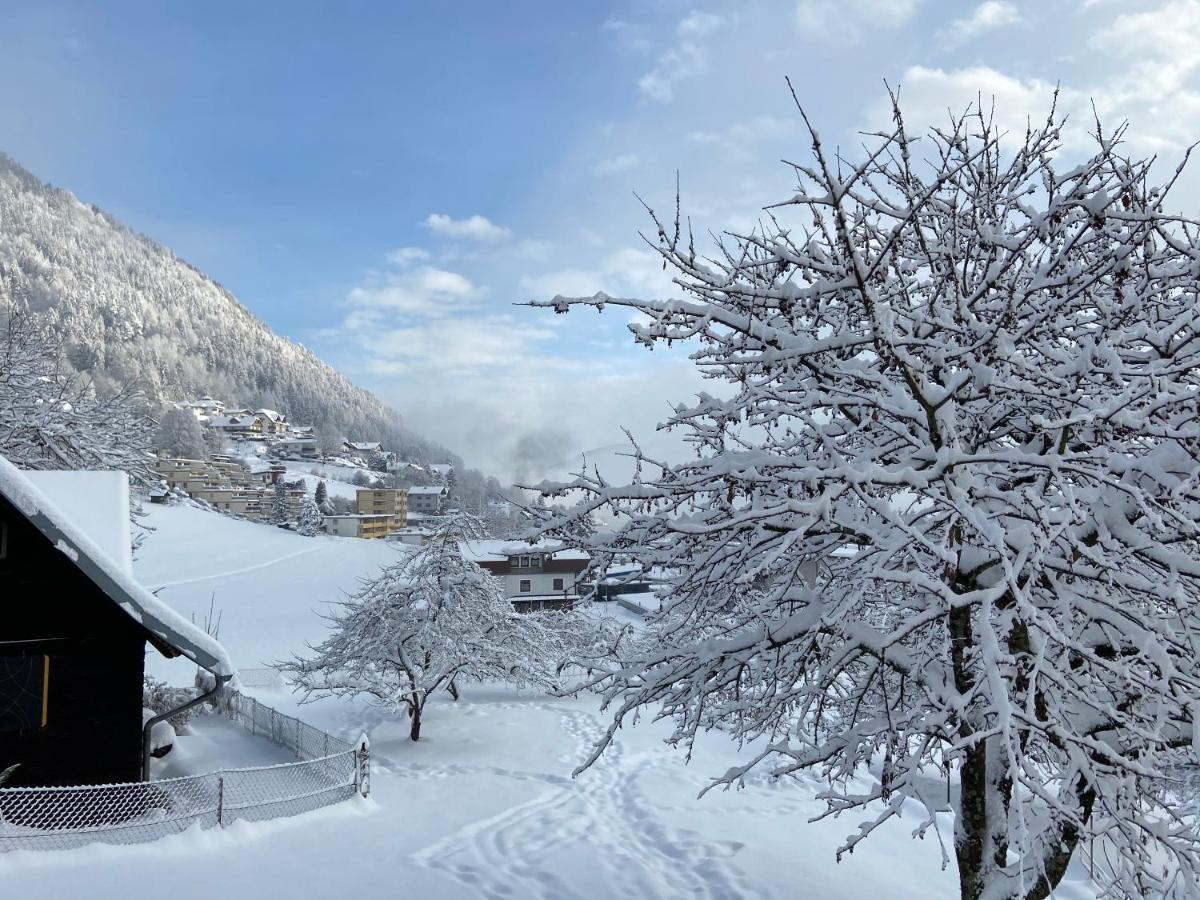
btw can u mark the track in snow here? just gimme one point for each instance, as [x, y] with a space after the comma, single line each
[213, 576]
[514, 853]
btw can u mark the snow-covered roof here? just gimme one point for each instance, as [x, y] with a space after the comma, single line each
[427, 489]
[111, 576]
[232, 421]
[442, 468]
[499, 551]
[365, 445]
[97, 503]
[271, 414]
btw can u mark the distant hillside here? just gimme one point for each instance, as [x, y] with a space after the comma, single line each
[131, 313]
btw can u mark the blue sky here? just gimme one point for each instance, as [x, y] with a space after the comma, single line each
[382, 181]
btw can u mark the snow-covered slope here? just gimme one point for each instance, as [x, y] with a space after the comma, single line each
[269, 585]
[134, 314]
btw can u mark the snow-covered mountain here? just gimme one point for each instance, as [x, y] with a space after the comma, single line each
[133, 314]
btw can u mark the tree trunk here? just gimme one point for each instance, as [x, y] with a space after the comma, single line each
[414, 729]
[452, 688]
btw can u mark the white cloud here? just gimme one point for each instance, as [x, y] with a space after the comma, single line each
[688, 57]
[699, 24]
[474, 228]
[614, 164]
[426, 291]
[406, 256]
[627, 271]
[928, 96]
[454, 345]
[986, 16]
[845, 20]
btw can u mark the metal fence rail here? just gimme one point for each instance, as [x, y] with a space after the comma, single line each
[329, 770]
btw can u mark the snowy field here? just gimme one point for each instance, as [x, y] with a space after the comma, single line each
[485, 805]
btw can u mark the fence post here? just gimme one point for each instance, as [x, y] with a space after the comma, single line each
[362, 771]
[221, 801]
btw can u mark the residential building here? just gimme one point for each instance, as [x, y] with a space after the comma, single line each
[73, 639]
[272, 422]
[535, 576]
[384, 502]
[360, 525]
[442, 471]
[206, 408]
[303, 447]
[427, 500]
[363, 448]
[240, 424]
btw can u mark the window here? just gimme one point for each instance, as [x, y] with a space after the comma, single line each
[558, 584]
[526, 586]
[524, 562]
[24, 684]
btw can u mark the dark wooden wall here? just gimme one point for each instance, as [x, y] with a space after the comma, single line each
[97, 657]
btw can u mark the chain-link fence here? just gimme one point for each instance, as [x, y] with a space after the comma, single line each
[329, 770]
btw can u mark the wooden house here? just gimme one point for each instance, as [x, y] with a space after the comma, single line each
[74, 630]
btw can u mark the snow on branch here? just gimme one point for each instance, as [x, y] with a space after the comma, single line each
[945, 522]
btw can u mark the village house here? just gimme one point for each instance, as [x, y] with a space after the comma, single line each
[73, 639]
[302, 447]
[360, 525]
[363, 448]
[273, 423]
[206, 408]
[427, 500]
[242, 424]
[535, 576]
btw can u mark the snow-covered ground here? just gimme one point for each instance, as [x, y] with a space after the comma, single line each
[269, 585]
[485, 805]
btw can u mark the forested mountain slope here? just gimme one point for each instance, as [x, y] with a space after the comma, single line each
[132, 314]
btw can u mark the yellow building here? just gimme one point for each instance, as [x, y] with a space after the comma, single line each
[384, 502]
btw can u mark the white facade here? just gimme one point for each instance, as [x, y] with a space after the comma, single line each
[533, 584]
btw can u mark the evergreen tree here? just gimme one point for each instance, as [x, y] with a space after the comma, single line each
[311, 521]
[279, 510]
[321, 496]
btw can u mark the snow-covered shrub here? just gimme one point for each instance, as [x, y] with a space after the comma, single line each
[311, 521]
[942, 518]
[160, 697]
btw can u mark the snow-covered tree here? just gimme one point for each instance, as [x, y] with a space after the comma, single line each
[311, 521]
[941, 517]
[179, 434]
[51, 419]
[280, 509]
[429, 622]
[321, 497]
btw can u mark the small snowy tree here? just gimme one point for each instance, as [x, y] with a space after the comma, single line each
[427, 623]
[50, 419]
[321, 497]
[280, 508]
[311, 521]
[180, 434]
[943, 517]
